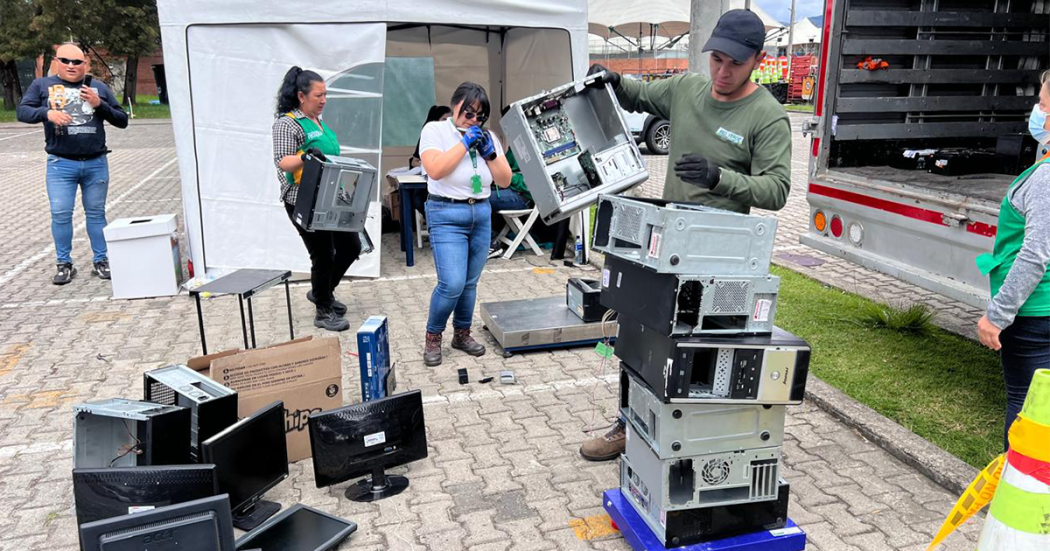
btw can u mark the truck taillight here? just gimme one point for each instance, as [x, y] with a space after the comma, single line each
[836, 226]
[820, 222]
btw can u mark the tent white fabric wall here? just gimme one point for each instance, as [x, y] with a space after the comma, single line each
[223, 62]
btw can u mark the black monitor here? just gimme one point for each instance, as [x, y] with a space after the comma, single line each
[299, 528]
[200, 525]
[367, 438]
[250, 457]
[112, 492]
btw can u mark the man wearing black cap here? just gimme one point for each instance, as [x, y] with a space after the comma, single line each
[731, 141]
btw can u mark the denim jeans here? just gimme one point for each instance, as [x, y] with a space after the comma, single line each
[459, 237]
[63, 178]
[1026, 348]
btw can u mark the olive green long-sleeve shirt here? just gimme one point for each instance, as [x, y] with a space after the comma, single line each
[750, 139]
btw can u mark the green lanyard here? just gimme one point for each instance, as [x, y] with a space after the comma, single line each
[475, 180]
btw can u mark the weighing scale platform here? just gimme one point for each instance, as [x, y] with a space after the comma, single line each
[540, 324]
[641, 538]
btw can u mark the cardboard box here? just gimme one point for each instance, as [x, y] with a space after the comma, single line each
[144, 256]
[305, 373]
[373, 351]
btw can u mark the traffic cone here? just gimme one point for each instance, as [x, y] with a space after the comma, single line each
[1019, 517]
[1016, 483]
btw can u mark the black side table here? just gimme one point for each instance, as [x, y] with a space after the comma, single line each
[245, 284]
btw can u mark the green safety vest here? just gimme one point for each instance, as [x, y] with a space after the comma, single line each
[320, 137]
[1008, 240]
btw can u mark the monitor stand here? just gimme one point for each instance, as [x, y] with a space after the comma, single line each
[255, 514]
[379, 486]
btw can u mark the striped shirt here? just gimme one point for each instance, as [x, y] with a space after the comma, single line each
[288, 139]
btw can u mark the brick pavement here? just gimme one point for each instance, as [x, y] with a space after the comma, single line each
[503, 470]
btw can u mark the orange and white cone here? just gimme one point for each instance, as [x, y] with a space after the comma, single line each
[1017, 483]
[1019, 517]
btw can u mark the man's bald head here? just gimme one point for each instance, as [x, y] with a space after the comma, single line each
[72, 63]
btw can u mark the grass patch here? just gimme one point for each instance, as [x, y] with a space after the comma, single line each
[143, 110]
[945, 388]
[913, 319]
[798, 108]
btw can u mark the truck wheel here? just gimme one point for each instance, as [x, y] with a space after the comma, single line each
[658, 138]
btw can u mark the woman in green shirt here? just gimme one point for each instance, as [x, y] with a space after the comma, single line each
[297, 129]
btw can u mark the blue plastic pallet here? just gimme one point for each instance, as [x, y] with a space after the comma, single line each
[641, 538]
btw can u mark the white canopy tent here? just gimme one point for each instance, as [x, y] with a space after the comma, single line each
[625, 23]
[385, 64]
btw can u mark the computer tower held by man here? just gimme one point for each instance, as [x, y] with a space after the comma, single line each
[334, 194]
[752, 369]
[572, 144]
[213, 407]
[678, 527]
[708, 480]
[684, 238]
[128, 433]
[683, 430]
[675, 304]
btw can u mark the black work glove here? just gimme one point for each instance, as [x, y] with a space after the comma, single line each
[313, 152]
[609, 78]
[697, 170]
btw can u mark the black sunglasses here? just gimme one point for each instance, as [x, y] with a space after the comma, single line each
[471, 115]
[73, 62]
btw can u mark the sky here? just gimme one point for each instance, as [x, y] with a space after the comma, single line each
[781, 9]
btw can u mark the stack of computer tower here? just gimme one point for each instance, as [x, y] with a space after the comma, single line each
[705, 375]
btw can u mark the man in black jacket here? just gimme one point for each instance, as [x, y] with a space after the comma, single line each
[73, 107]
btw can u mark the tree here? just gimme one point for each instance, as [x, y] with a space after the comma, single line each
[21, 37]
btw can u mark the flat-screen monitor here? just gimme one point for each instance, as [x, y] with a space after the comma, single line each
[367, 438]
[199, 525]
[250, 457]
[112, 492]
[299, 528]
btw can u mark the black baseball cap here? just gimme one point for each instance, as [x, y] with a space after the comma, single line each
[738, 33]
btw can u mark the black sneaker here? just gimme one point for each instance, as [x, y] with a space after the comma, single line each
[338, 307]
[326, 318]
[101, 269]
[66, 273]
[495, 251]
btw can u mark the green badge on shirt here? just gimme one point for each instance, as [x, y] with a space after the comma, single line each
[475, 184]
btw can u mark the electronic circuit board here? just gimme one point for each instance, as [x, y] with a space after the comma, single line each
[553, 132]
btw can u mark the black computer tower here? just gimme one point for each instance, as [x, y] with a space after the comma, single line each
[756, 369]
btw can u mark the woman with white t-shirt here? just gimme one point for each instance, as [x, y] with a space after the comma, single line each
[461, 161]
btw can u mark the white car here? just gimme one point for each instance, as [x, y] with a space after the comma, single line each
[654, 131]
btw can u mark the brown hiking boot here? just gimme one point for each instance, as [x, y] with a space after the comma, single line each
[461, 340]
[606, 447]
[432, 350]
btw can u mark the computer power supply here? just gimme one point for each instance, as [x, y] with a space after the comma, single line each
[684, 430]
[676, 304]
[756, 369]
[572, 144]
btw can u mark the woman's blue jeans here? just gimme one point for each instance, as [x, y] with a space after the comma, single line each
[459, 236]
[1026, 348]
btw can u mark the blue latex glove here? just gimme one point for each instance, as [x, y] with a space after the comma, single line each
[471, 137]
[487, 147]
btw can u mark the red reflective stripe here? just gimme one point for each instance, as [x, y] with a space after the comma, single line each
[816, 147]
[980, 228]
[825, 46]
[1039, 470]
[881, 204]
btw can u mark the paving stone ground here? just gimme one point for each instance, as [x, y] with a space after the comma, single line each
[503, 470]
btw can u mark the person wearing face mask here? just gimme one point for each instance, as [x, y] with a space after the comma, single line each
[1017, 320]
[1037, 126]
[297, 129]
[461, 162]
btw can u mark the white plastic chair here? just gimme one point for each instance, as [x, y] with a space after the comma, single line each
[420, 229]
[520, 229]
